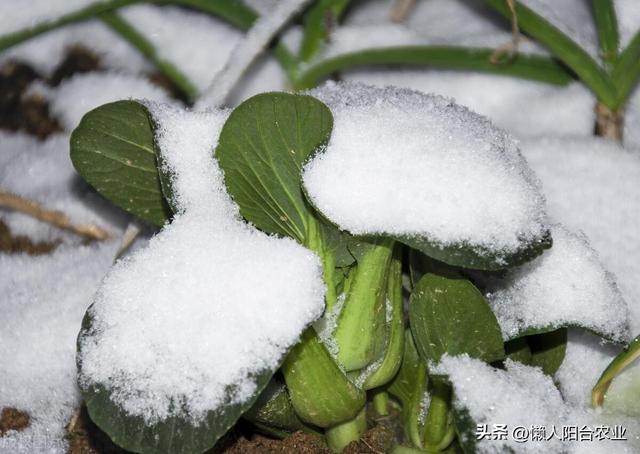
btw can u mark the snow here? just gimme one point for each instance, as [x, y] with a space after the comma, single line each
[434, 22]
[399, 160]
[550, 109]
[15, 16]
[78, 95]
[197, 44]
[566, 286]
[590, 185]
[44, 299]
[42, 172]
[233, 298]
[45, 52]
[519, 395]
[628, 15]
[586, 357]
[245, 52]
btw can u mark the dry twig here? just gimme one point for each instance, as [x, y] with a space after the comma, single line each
[401, 9]
[511, 48]
[56, 218]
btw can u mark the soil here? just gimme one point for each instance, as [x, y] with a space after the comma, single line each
[12, 419]
[86, 438]
[16, 244]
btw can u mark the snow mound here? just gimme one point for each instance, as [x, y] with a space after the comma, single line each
[400, 162]
[591, 186]
[567, 285]
[231, 298]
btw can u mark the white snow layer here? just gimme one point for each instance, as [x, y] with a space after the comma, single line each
[43, 298]
[232, 298]
[15, 16]
[43, 301]
[524, 396]
[591, 186]
[84, 92]
[586, 357]
[550, 109]
[565, 286]
[404, 163]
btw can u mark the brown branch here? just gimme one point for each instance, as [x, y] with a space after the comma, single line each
[511, 48]
[56, 218]
[401, 9]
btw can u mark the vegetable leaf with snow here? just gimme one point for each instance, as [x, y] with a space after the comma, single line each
[449, 315]
[113, 149]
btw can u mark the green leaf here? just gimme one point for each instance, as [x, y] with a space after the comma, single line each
[318, 21]
[544, 350]
[113, 150]
[619, 363]
[626, 71]
[564, 48]
[262, 148]
[273, 409]
[320, 392]
[173, 435]
[604, 13]
[468, 256]
[450, 315]
[548, 350]
[531, 67]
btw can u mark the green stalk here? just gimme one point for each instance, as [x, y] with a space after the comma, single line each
[381, 402]
[359, 333]
[137, 40]
[314, 240]
[320, 392]
[604, 13]
[619, 363]
[437, 424]
[395, 328]
[531, 67]
[317, 25]
[340, 436]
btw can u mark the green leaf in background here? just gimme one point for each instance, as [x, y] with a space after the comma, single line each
[562, 47]
[113, 150]
[619, 364]
[604, 14]
[173, 435]
[448, 314]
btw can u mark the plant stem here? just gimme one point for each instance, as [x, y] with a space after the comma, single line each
[381, 402]
[436, 426]
[609, 122]
[340, 436]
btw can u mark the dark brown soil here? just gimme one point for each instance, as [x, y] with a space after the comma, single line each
[10, 244]
[12, 419]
